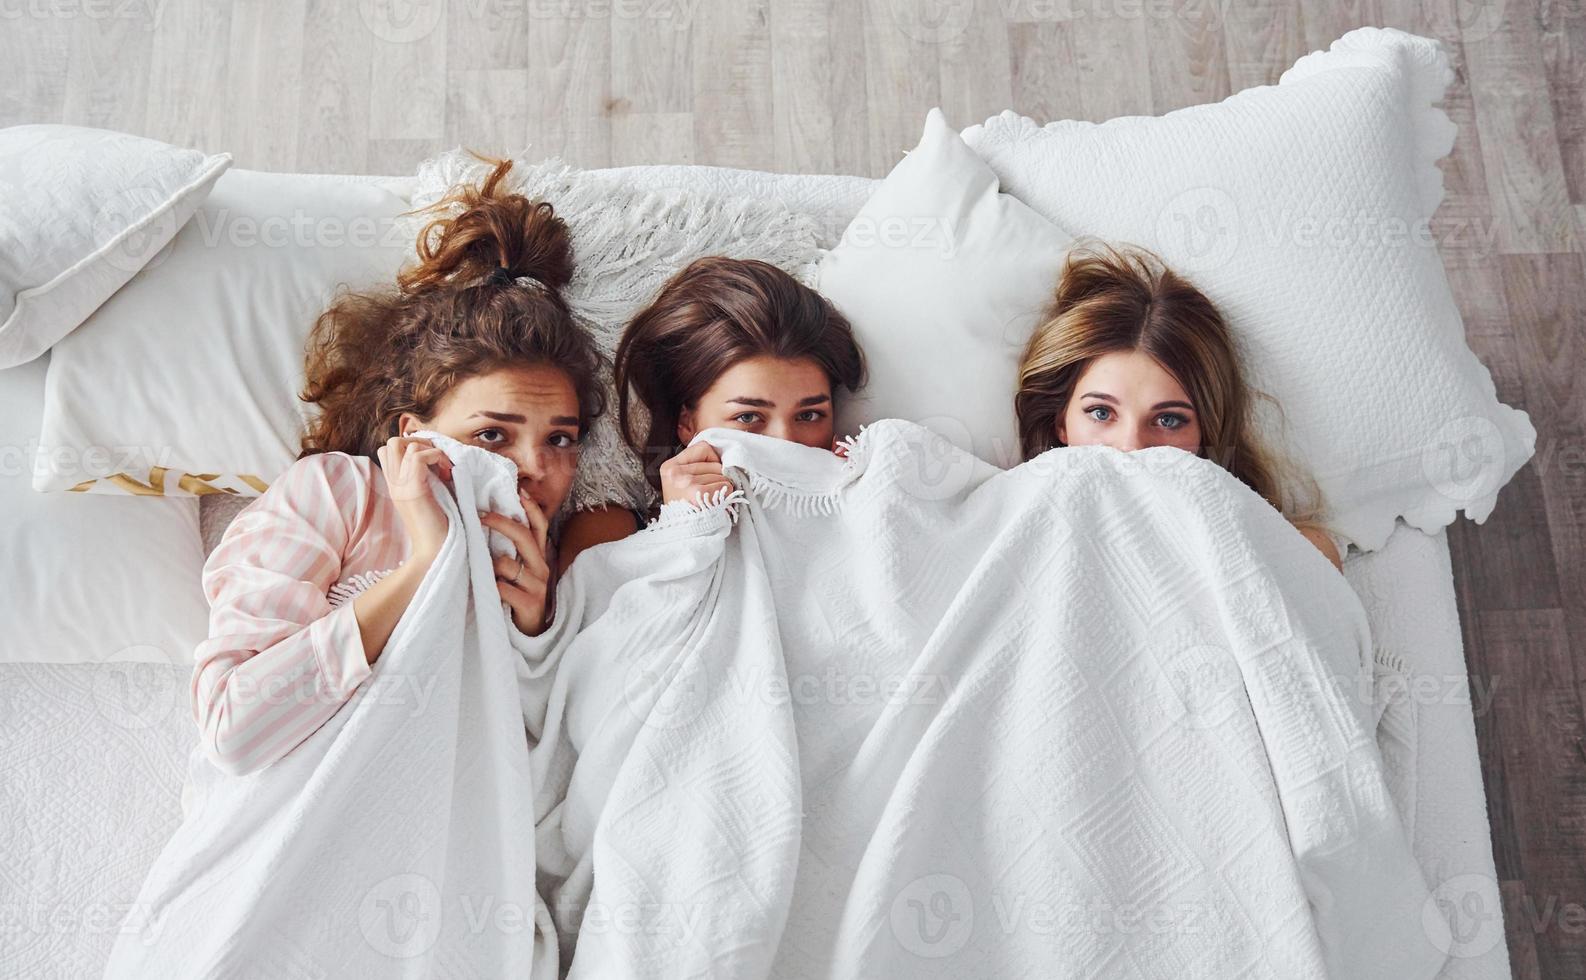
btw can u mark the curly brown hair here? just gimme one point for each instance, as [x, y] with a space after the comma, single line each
[713, 314]
[457, 313]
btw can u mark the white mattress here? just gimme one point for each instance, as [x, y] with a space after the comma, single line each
[92, 756]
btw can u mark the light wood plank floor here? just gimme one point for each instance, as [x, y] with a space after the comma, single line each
[841, 86]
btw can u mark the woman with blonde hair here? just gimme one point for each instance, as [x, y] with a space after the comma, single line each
[1132, 355]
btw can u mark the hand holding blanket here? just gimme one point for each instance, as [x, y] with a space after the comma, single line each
[397, 840]
[907, 715]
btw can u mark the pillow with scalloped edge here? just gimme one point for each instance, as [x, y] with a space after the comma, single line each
[1303, 211]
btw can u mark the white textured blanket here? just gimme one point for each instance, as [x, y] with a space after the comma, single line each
[907, 715]
[397, 840]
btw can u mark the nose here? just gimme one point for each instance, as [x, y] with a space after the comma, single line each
[778, 429]
[1130, 441]
[531, 464]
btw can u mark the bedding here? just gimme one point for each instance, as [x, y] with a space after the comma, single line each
[944, 279]
[216, 331]
[86, 210]
[98, 580]
[94, 757]
[1303, 210]
[406, 815]
[951, 697]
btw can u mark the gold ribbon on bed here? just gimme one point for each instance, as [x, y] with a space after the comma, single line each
[186, 484]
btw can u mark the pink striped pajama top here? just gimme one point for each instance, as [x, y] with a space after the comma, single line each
[284, 651]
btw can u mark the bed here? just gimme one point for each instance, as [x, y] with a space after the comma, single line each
[94, 755]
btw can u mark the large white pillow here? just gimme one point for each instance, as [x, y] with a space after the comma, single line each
[943, 279]
[90, 579]
[85, 209]
[186, 381]
[1302, 210]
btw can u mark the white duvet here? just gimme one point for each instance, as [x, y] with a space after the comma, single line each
[396, 841]
[899, 715]
[907, 715]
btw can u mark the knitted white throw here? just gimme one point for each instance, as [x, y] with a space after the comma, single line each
[397, 841]
[907, 715]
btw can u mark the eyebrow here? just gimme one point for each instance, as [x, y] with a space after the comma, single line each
[1159, 405]
[804, 402]
[519, 419]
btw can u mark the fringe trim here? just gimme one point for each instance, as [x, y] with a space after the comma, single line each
[774, 494]
[1390, 661]
[688, 513]
[349, 589]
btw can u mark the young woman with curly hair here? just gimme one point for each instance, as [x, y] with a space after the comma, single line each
[473, 341]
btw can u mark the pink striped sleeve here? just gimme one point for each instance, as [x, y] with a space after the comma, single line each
[279, 660]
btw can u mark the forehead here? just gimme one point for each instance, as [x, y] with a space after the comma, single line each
[505, 389]
[1128, 375]
[767, 376]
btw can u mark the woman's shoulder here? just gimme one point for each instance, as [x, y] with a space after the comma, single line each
[320, 486]
[337, 470]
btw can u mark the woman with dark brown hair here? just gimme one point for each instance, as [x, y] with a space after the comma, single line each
[308, 583]
[731, 343]
[1132, 355]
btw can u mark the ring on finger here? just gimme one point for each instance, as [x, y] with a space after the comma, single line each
[519, 572]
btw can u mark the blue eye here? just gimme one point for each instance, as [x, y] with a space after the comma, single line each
[1169, 420]
[1106, 413]
[813, 415]
[746, 418]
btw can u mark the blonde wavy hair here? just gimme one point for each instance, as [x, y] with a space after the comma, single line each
[1121, 298]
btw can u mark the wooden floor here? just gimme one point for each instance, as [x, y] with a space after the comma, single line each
[842, 86]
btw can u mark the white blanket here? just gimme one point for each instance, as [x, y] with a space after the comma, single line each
[907, 715]
[397, 840]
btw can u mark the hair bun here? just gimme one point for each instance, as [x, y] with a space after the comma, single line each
[478, 230]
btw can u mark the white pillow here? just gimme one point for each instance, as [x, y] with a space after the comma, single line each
[186, 381]
[85, 209]
[1302, 210]
[943, 279]
[90, 579]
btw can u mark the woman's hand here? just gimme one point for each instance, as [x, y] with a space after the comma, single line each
[693, 474]
[525, 581]
[405, 463]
